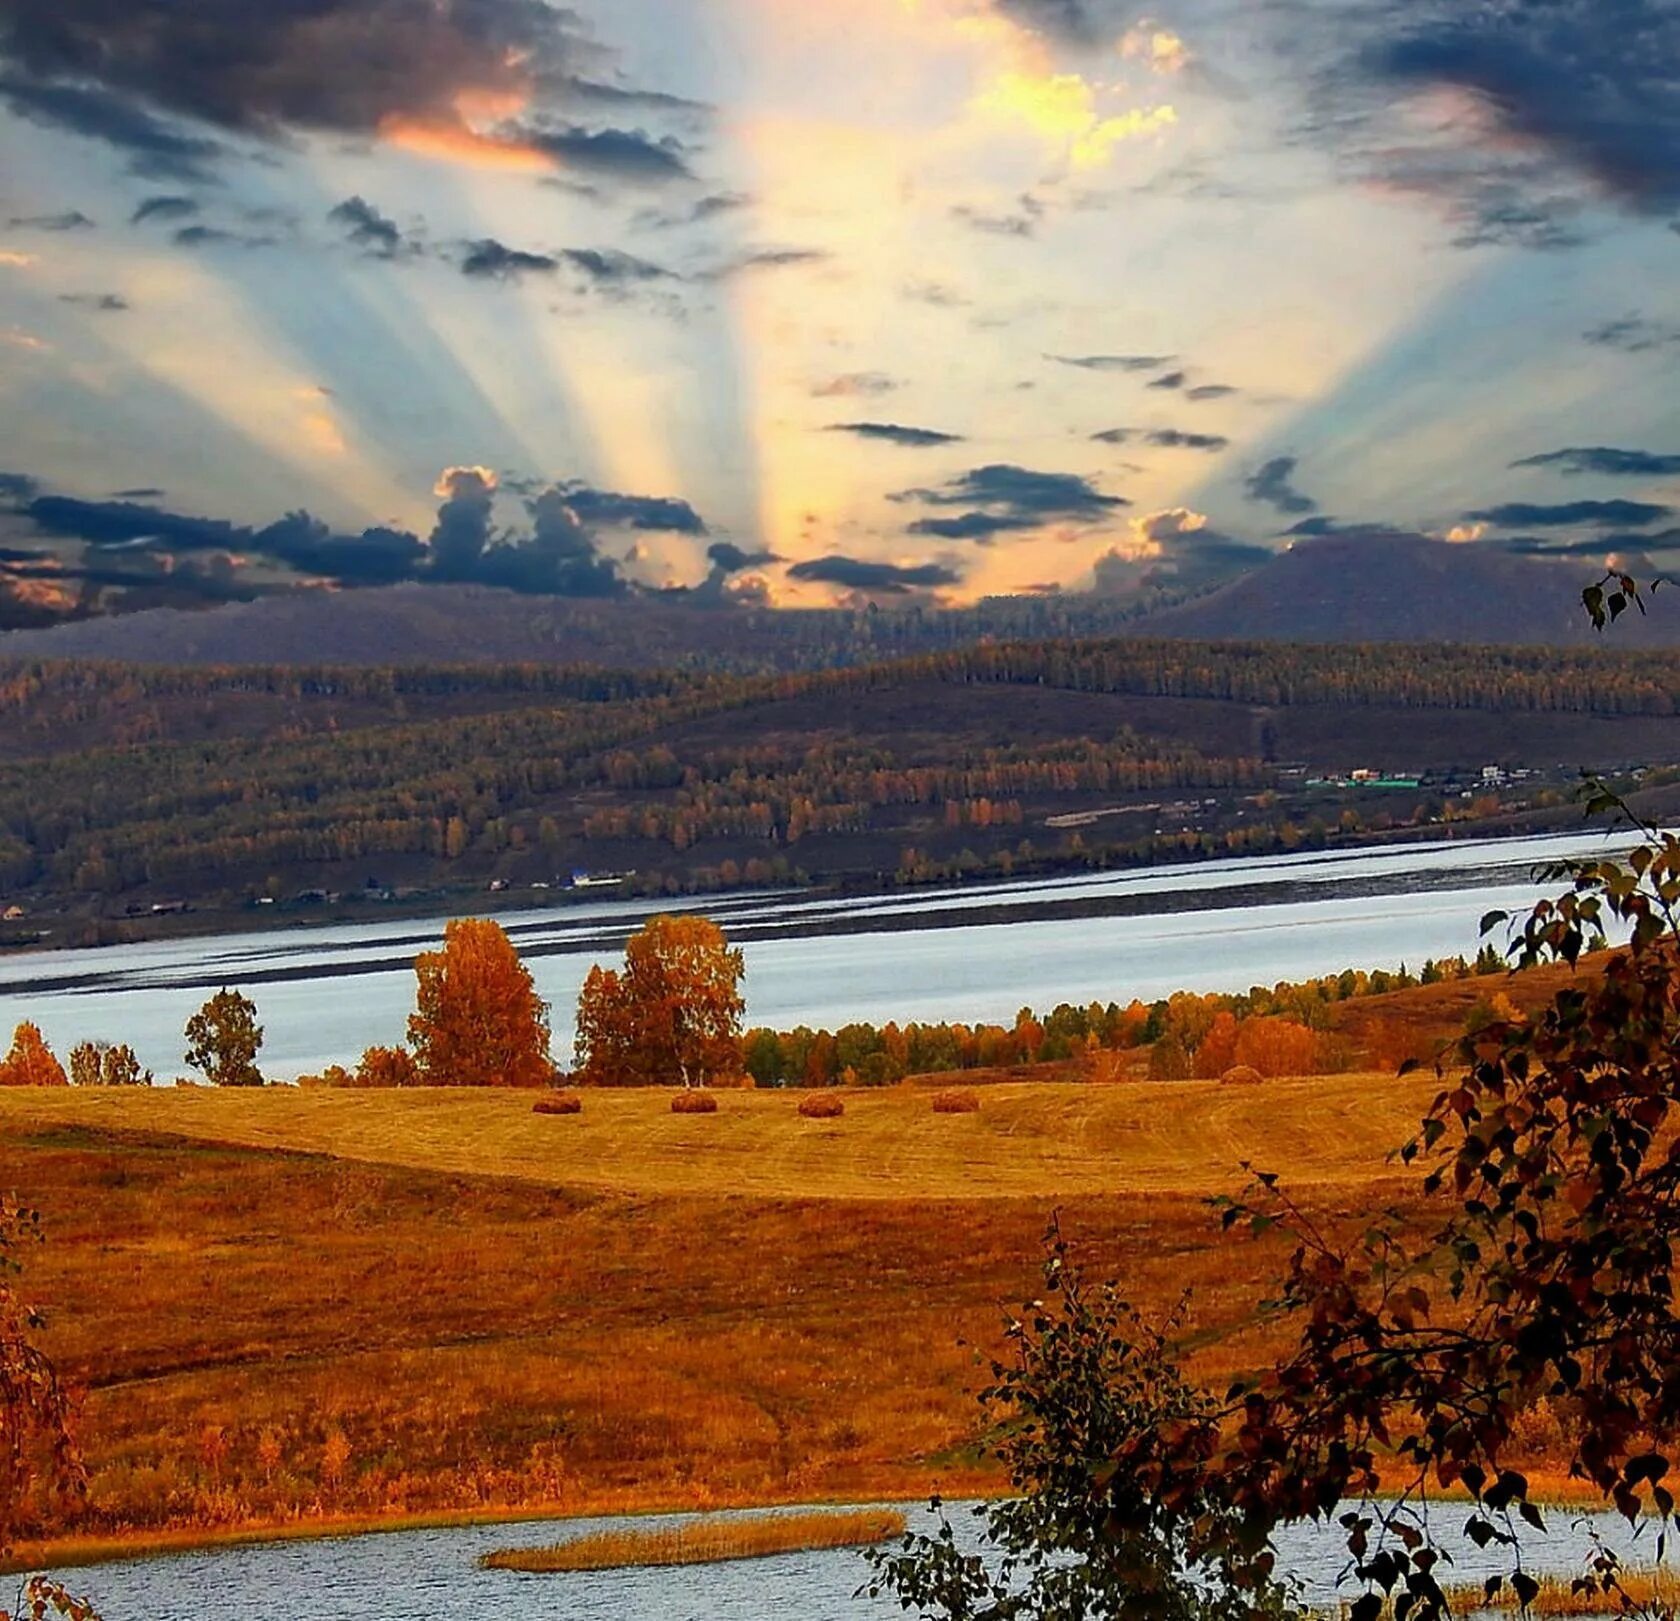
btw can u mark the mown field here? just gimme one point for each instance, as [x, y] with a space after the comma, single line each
[304, 1308]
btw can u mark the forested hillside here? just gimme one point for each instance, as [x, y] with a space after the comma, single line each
[133, 787]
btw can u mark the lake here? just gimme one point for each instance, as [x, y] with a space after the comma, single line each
[978, 953]
[433, 1576]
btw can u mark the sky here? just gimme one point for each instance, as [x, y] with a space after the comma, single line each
[807, 301]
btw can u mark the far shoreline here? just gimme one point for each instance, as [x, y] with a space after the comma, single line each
[74, 1552]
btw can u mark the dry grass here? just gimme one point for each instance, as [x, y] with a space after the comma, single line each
[821, 1106]
[706, 1542]
[558, 1103]
[1557, 1595]
[956, 1100]
[687, 1102]
[1032, 1141]
[296, 1309]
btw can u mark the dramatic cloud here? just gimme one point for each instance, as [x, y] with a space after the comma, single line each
[1176, 546]
[1525, 515]
[1115, 362]
[1004, 499]
[890, 579]
[1272, 485]
[629, 156]
[731, 559]
[374, 557]
[489, 260]
[74, 220]
[1209, 391]
[464, 521]
[609, 510]
[17, 487]
[609, 268]
[1601, 459]
[894, 433]
[855, 385]
[1164, 438]
[164, 208]
[154, 148]
[365, 226]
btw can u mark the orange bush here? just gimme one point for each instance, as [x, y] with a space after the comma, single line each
[690, 1101]
[31, 1061]
[387, 1066]
[956, 1100]
[1278, 1047]
[558, 1103]
[821, 1106]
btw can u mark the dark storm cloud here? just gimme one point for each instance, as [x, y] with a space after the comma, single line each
[376, 556]
[104, 303]
[74, 220]
[144, 492]
[368, 229]
[609, 268]
[154, 148]
[1114, 362]
[1600, 547]
[164, 208]
[1272, 484]
[858, 574]
[464, 522]
[613, 95]
[627, 155]
[609, 510]
[731, 559]
[490, 260]
[1004, 499]
[894, 433]
[1603, 459]
[1593, 84]
[1526, 515]
[123, 523]
[1170, 380]
[18, 487]
[1164, 438]
[1311, 527]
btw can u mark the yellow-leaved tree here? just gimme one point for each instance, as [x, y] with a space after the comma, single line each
[671, 1016]
[478, 1020]
[30, 1061]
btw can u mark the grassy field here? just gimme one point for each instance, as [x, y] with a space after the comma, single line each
[1029, 1140]
[323, 1308]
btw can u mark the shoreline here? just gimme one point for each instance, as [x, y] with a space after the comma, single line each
[72, 1552]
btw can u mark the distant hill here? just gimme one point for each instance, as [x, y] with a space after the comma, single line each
[469, 624]
[1402, 588]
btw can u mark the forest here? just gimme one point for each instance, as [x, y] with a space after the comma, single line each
[130, 788]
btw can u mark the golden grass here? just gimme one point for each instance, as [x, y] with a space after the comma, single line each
[1557, 1595]
[706, 1542]
[1032, 1140]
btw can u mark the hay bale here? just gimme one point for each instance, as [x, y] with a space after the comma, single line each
[558, 1103]
[1241, 1075]
[689, 1101]
[821, 1106]
[956, 1100]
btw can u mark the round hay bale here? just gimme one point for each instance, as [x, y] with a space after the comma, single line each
[688, 1101]
[821, 1106]
[956, 1100]
[1241, 1075]
[558, 1103]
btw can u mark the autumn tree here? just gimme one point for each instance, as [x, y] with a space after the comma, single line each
[671, 1016]
[387, 1066]
[478, 1020]
[99, 1063]
[30, 1061]
[224, 1038]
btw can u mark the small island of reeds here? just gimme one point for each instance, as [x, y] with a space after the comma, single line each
[706, 1542]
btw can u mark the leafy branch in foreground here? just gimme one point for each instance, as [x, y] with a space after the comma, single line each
[1087, 1381]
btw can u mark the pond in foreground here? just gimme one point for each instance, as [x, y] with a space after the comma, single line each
[433, 1576]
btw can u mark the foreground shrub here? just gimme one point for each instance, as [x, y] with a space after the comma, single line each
[690, 1101]
[956, 1100]
[821, 1106]
[558, 1103]
[98, 1063]
[387, 1066]
[1241, 1075]
[705, 1542]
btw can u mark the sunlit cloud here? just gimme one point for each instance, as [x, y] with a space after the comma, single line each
[14, 260]
[1063, 110]
[1464, 534]
[15, 337]
[1160, 49]
[452, 142]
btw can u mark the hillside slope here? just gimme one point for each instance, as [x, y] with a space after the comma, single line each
[1402, 588]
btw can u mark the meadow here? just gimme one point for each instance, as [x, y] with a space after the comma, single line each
[320, 1309]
